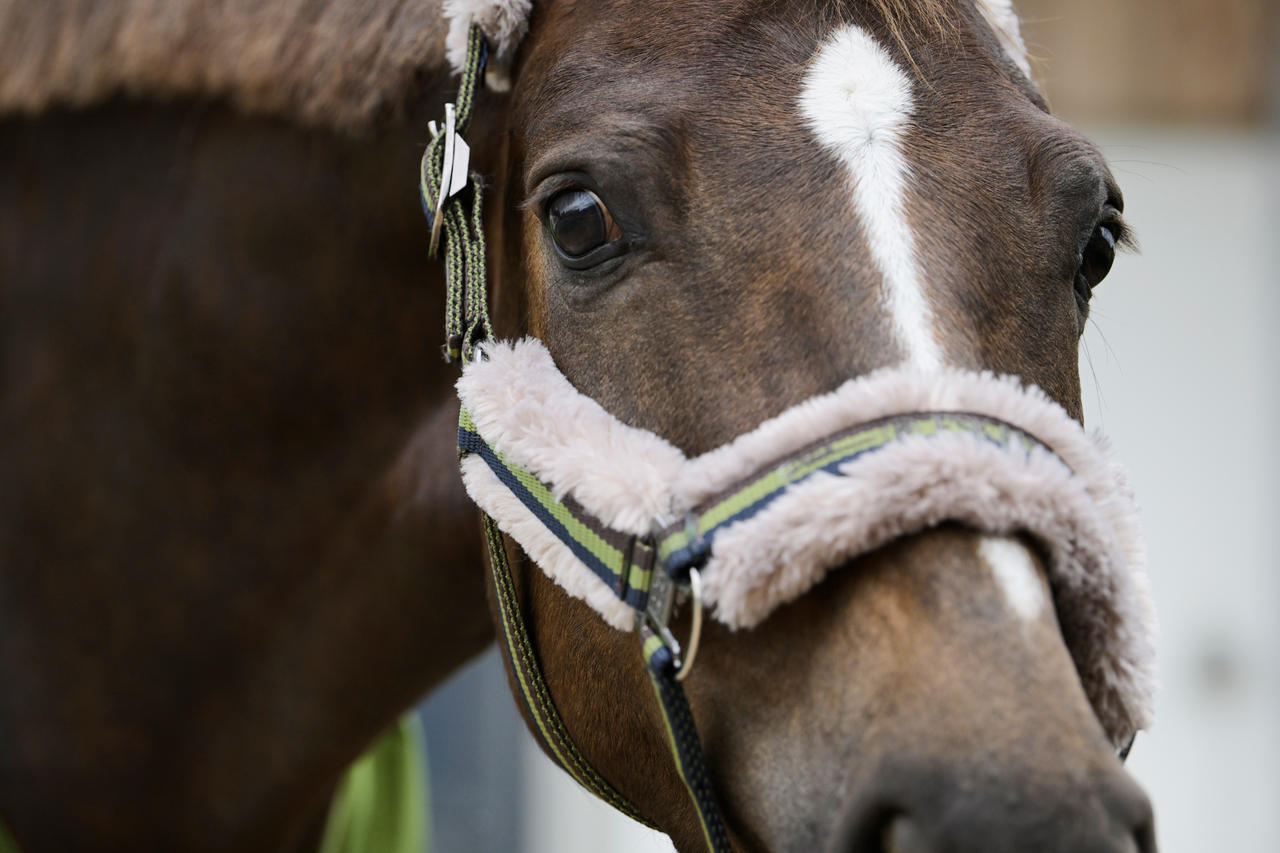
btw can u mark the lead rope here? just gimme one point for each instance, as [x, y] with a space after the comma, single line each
[455, 216]
[682, 738]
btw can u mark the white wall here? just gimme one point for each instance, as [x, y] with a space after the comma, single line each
[1185, 351]
[1181, 370]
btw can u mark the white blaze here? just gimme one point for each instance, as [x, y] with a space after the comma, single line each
[1015, 575]
[857, 102]
[1002, 18]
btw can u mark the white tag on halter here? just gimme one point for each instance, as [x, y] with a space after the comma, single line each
[457, 156]
[454, 174]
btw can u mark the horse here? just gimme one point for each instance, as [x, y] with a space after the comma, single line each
[235, 546]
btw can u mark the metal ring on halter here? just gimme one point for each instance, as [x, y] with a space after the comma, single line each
[695, 630]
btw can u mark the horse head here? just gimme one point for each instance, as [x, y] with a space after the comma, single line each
[710, 212]
[797, 241]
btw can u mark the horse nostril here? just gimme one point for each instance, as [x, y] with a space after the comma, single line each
[1144, 832]
[879, 828]
[914, 810]
[1130, 808]
[1145, 838]
[903, 835]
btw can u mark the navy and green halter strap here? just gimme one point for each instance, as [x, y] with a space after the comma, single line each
[626, 563]
[550, 731]
[454, 209]
[689, 542]
[534, 694]
[611, 553]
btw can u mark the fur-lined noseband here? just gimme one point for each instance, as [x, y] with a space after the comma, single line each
[836, 476]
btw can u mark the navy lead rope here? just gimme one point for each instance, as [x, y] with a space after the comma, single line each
[455, 216]
[682, 738]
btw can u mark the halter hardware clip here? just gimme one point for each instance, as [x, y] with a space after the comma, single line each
[695, 630]
[659, 609]
[665, 593]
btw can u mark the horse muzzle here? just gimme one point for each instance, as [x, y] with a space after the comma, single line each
[915, 809]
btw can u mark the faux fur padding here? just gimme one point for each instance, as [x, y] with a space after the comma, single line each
[504, 23]
[1081, 511]
[917, 483]
[896, 391]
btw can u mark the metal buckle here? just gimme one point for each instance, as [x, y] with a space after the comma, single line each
[660, 609]
[657, 613]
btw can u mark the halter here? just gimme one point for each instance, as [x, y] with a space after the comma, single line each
[624, 521]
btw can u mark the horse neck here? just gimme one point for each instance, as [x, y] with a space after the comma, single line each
[241, 548]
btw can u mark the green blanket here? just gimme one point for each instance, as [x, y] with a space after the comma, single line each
[381, 805]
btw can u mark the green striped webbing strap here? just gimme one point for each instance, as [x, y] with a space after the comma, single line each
[461, 226]
[689, 542]
[624, 562]
[548, 728]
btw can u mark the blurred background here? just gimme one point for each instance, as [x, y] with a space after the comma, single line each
[1180, 366]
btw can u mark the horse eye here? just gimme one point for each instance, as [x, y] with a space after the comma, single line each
[579, 222]
[1099, 255]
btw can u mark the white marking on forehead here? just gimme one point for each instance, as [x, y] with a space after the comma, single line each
[1002, 18]
[857, 102]
[1015, 573]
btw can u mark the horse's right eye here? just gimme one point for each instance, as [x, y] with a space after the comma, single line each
[580, 223]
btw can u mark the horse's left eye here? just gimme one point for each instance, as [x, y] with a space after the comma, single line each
[579, 223]
[1099, 254]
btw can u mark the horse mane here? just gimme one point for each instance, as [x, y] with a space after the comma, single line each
[941, 20]
[905, 19]
[912, 15]
[328, 62]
